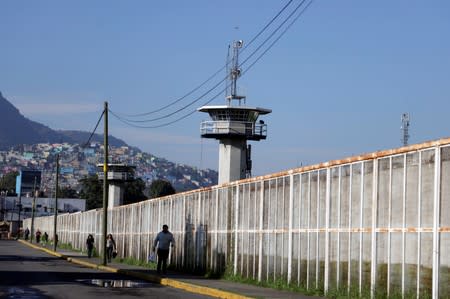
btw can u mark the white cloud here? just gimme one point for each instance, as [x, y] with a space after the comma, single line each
[32, 109]
[55, 104]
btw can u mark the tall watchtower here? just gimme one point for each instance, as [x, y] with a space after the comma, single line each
[118, 174]
[233, 124]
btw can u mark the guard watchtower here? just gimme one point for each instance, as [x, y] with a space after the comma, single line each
[233, 124]
[118, 174]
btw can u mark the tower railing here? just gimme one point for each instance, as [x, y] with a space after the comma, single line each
[250, 130]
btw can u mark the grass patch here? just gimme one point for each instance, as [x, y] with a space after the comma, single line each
[68, 246]
[341, 293]
[278, 284]
[135, 262]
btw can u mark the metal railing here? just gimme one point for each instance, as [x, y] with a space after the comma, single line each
[224, 127]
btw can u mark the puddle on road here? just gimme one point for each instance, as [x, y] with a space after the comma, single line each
[22, 293]
[111, 283]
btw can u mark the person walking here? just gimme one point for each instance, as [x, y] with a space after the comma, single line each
[162, 242]
[90, 245]
[45, 238]
[27, 233]
[38, 236]
[110, 247]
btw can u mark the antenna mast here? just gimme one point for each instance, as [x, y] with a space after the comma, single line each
[405, 128]
[234, 74]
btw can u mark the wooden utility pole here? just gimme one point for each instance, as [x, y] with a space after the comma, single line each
[105, 182]
[32, 210]
[56, 203]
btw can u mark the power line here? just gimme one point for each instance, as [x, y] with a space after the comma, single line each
[213, 75]
[265, 27]
[224, 79]
[280, 36]
[180, 109]
[130, 122]
[127, 122]
[274, 32]
[95, 129]
[179, 99]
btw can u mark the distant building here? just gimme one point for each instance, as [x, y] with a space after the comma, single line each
[26, 181]
[43, 207]
[66, 170]
[89, 152]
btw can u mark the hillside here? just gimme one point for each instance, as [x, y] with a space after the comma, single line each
[28, 144]
[16, 129]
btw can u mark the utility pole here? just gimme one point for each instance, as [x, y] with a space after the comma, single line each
[55, 220]
[19, 206]
[32, 210]
[405, 128]
[105, 182]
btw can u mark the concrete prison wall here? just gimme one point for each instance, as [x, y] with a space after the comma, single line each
[376, 223]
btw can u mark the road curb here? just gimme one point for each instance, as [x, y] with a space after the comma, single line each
[189, 287]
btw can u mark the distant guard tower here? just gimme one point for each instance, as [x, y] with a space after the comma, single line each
[233, 125]
[118, 174]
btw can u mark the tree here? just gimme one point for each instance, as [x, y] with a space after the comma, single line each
[8, 182]
[92, 191]
[160, 188]
[134, 191]
[67, 192]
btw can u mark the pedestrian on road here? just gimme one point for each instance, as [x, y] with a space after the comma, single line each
[27, 233]
[90, 245]
[162, 242]
[38, 236]
[45, 238]
[110, 247]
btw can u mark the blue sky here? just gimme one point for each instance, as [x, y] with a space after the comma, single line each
[337, 81]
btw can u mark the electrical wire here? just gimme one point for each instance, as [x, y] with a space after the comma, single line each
[280, 36]
[125, 121]
[179, 99]
[180, 109]
[95, 129]
[267, 25]
[213, 75]
[273, 33]
[224, 79]
[130, 122]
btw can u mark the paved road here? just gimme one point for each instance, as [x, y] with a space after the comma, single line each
[29, 273]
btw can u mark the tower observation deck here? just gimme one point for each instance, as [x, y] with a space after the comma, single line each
[233, 125]
[118, 174]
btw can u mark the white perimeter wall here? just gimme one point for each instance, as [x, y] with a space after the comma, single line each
[375, 223]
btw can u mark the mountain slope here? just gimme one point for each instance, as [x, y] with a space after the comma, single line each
[16, 129]
[81, 137]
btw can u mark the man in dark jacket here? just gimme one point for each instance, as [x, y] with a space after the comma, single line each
[162, 242]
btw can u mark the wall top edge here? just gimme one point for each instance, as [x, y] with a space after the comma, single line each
[324, 165]
[348, 160]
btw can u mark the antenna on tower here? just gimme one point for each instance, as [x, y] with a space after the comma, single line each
[405, 128]
[234, 72]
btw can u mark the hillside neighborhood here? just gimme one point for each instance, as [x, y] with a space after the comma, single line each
[77, 162]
